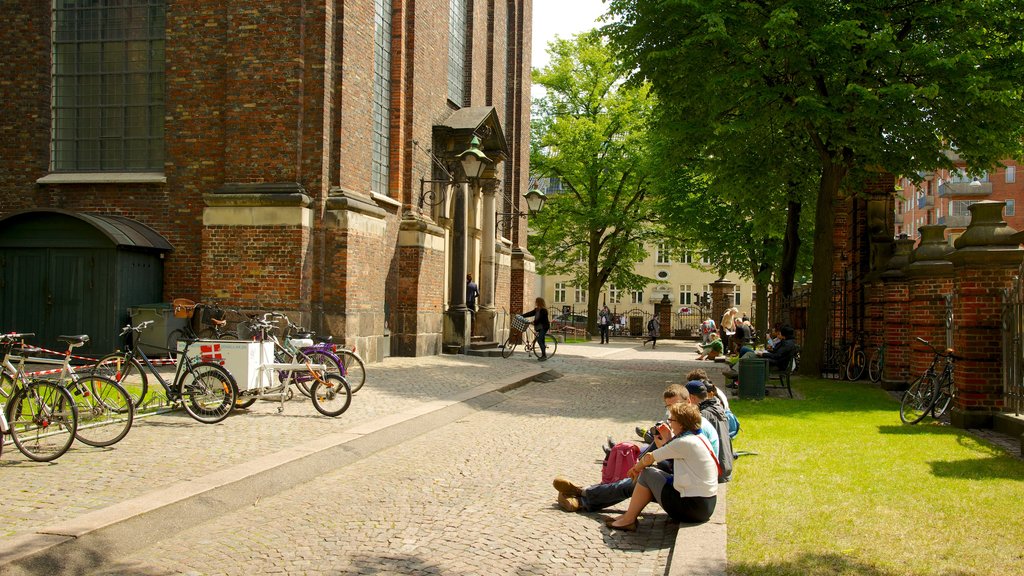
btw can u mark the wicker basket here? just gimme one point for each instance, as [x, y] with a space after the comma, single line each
[183, 307]
[519, 323]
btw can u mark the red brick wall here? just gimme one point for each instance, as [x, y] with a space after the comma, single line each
[927, 315]
[895, 312]
[977, 333]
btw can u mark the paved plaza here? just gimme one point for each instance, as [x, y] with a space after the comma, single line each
[442, 465]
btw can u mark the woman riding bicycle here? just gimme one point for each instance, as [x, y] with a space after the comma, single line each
[541, 325]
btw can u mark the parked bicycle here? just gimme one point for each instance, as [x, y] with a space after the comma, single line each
[40, 416]
[932, 393]
[205, 389]
[205, 322]
[522, 330]
[856, 361]
[877, 364]
[330, 392]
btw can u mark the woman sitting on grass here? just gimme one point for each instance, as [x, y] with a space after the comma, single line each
[690, 493]
[712, 349]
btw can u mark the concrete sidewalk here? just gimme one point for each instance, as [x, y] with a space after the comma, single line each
[105, 499]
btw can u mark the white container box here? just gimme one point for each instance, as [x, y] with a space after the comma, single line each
[241, 357]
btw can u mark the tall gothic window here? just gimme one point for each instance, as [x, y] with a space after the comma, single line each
[457, 52]
[381, 96]
[107, 102]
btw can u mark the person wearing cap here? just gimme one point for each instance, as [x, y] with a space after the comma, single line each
[575, 498]
[783, 351]
[689, 493]
[713, 412]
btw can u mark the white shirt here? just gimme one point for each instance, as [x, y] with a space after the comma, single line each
[694, 470]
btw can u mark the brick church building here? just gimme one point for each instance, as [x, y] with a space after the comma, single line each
[293, 155]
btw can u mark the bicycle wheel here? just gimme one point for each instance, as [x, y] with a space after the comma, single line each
[918, 399]
[331, 395]
[208, 392]
[126, 371]
[105, 410]
[944, 397]
[243, 402]
[876, 364]
[173, 338]
[43, 420]
[509, 346]
[550, 343]
[354, 369]
[855, 366]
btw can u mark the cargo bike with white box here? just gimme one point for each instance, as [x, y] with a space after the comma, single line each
[266, 368]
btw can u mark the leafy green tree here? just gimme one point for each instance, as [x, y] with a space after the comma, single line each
[591, 132]
[865, 84]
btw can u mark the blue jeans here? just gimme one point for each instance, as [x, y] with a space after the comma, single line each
[600, 496]
[541, 333]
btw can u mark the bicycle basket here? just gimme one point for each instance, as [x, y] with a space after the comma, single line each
[183, 307]
[519, 323]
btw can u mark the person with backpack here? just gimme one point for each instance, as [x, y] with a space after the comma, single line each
[575, 498]
[690, 492]
[653, 330]
[713, 411]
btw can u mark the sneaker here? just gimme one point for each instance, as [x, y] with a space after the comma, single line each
[568, 503]
[542, 358]
[641, 432]
[567, 488]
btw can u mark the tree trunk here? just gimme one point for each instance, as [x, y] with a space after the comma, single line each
[790, 249]
[819, 308]
[761, 299]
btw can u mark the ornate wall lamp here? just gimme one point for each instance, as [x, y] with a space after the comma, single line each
[534, 204]
[473, 161]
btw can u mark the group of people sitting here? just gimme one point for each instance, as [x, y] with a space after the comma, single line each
[684, 458]
[733, 333]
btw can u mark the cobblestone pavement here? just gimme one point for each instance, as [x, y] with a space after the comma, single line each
[168, 448]
[472, 497]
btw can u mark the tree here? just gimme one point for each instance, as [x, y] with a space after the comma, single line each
[865, 84]
[590, 131]
[739, 210]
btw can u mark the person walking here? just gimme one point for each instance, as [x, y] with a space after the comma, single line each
[653, 330]
[604, 321]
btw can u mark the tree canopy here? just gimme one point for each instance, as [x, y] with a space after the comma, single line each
[591, 133]
[890, 84]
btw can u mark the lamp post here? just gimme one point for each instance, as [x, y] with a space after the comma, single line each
[534, 203]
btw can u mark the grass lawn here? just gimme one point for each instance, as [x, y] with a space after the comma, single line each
[840, 486]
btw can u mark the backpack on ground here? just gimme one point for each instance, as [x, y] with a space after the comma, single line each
[734, 423]
[620, 459]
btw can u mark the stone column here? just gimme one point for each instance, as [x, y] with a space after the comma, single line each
[895, 313]
[721, 298]
[457, 322]
[985, 262]
[484, 320]
[930, 274]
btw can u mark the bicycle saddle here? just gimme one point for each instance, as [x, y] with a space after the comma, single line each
[74, 341]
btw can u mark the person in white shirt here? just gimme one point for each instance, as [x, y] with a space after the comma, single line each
[688, 494]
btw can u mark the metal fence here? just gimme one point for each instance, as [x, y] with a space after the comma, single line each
[1013, 345]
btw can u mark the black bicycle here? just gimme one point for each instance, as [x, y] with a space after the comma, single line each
[205, 389]
[932, 393]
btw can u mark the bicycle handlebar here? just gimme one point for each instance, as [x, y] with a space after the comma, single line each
[12, 336]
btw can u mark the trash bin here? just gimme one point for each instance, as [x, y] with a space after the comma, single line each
[753, 376]
[153, 340]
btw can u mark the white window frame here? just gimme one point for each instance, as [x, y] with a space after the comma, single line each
[559, 295]
[581, 294]
[662, 255]
[685, 295]
[1011, 174]
[637, 296]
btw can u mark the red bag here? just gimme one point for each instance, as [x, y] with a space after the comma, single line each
[621, 458]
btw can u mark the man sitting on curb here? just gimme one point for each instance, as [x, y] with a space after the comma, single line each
[574, 498]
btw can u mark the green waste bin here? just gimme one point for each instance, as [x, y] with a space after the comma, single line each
[153, 340]
[753, 376]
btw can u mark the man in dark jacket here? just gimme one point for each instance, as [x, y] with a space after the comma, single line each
[784, 351]
[712, 411]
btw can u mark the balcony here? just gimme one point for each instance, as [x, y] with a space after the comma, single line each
[956, 220]
[965, 189]
[925, 202]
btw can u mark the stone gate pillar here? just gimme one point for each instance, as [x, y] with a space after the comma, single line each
[985, 261]
[930, 274]
[895, 306]
[722, 291]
